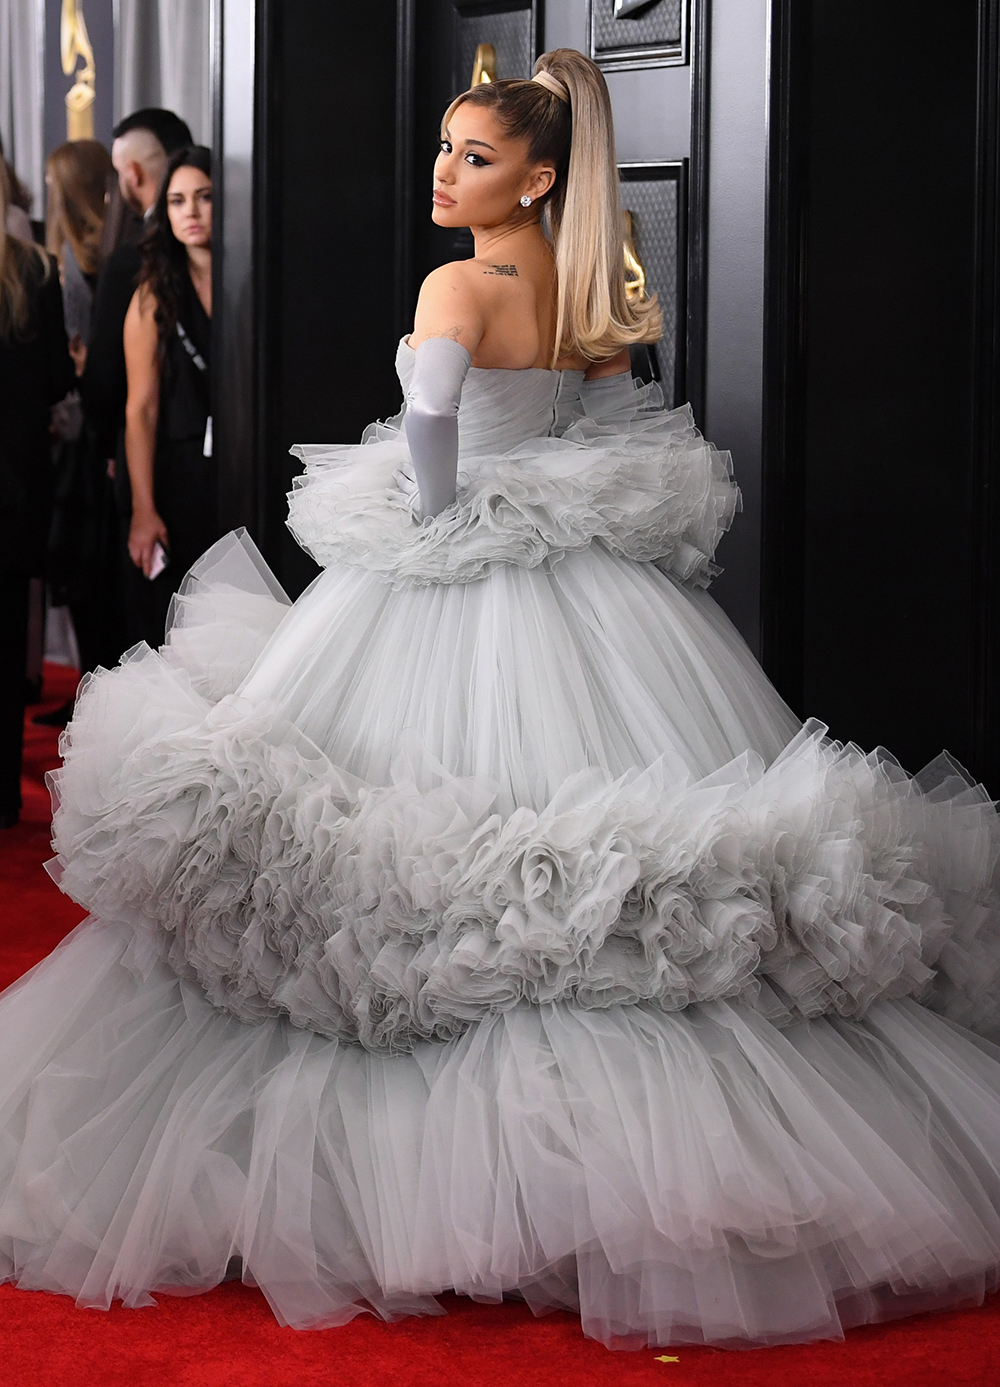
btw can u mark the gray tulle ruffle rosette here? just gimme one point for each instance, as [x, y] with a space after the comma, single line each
[393, 913]
[649, 487]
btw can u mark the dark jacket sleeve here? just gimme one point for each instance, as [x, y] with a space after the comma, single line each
[60, 374]
[103, 385]
[35, 371]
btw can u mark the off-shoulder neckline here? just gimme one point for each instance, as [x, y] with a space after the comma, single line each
[508, 370]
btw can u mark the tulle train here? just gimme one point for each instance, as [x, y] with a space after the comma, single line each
[632, 958]
[702, 1177]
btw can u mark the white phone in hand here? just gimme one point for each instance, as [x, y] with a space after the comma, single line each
[160, 560]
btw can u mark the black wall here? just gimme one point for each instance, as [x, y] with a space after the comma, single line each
[433, 89]
[876, 540]
[325, 175]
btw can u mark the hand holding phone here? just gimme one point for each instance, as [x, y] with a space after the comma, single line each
[160, 560]
[148, 543]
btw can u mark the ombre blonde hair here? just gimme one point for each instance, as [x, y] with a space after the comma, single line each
[17, 258]
[582, 212]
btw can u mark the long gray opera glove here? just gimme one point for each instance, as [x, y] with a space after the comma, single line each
[432, 420]
[608, 396]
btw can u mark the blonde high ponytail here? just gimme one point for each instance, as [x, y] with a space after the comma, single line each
[595, 317]
[568, 119]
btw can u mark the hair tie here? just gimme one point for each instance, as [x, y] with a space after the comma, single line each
[552, 84]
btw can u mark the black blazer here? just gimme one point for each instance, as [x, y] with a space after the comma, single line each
[103, 385]
[35, 372]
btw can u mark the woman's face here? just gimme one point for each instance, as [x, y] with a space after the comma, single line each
[189, 207]
[481, 173]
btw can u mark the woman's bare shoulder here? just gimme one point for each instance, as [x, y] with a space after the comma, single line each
[143, 305]
[141, 334]
[458, 278]
[450, 305]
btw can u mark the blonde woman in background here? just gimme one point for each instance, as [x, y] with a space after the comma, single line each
[485, 921]
[83, 566]
[76, 175]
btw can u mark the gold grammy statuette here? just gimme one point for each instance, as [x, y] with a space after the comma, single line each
[484, 68]
[635, 271]
[75, 43]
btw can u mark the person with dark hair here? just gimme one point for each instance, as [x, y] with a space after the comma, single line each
[35, 372]
[168, 434]
[143, 142]
[171, 132]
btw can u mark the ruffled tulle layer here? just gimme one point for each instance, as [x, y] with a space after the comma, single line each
[648, 486]
[696, 1177]
[391, 913]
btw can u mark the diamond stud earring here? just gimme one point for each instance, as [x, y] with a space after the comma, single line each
[526, 201]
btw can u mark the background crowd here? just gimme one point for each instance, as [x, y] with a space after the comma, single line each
[107, 489]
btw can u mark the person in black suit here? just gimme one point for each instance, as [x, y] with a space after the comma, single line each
[35, 372]
[143, 142]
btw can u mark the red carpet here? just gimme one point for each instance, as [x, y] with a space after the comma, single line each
[228, 1338]
[34, 916]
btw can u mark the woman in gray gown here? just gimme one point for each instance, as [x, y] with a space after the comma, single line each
[484, 920]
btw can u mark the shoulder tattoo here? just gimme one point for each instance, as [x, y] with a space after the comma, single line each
[510, 271]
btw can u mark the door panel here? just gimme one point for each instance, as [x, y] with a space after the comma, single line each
[511, 31]
[652, 109]
[632, 33]
[654, 197]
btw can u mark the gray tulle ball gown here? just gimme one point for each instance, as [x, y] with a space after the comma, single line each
[484, 920]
